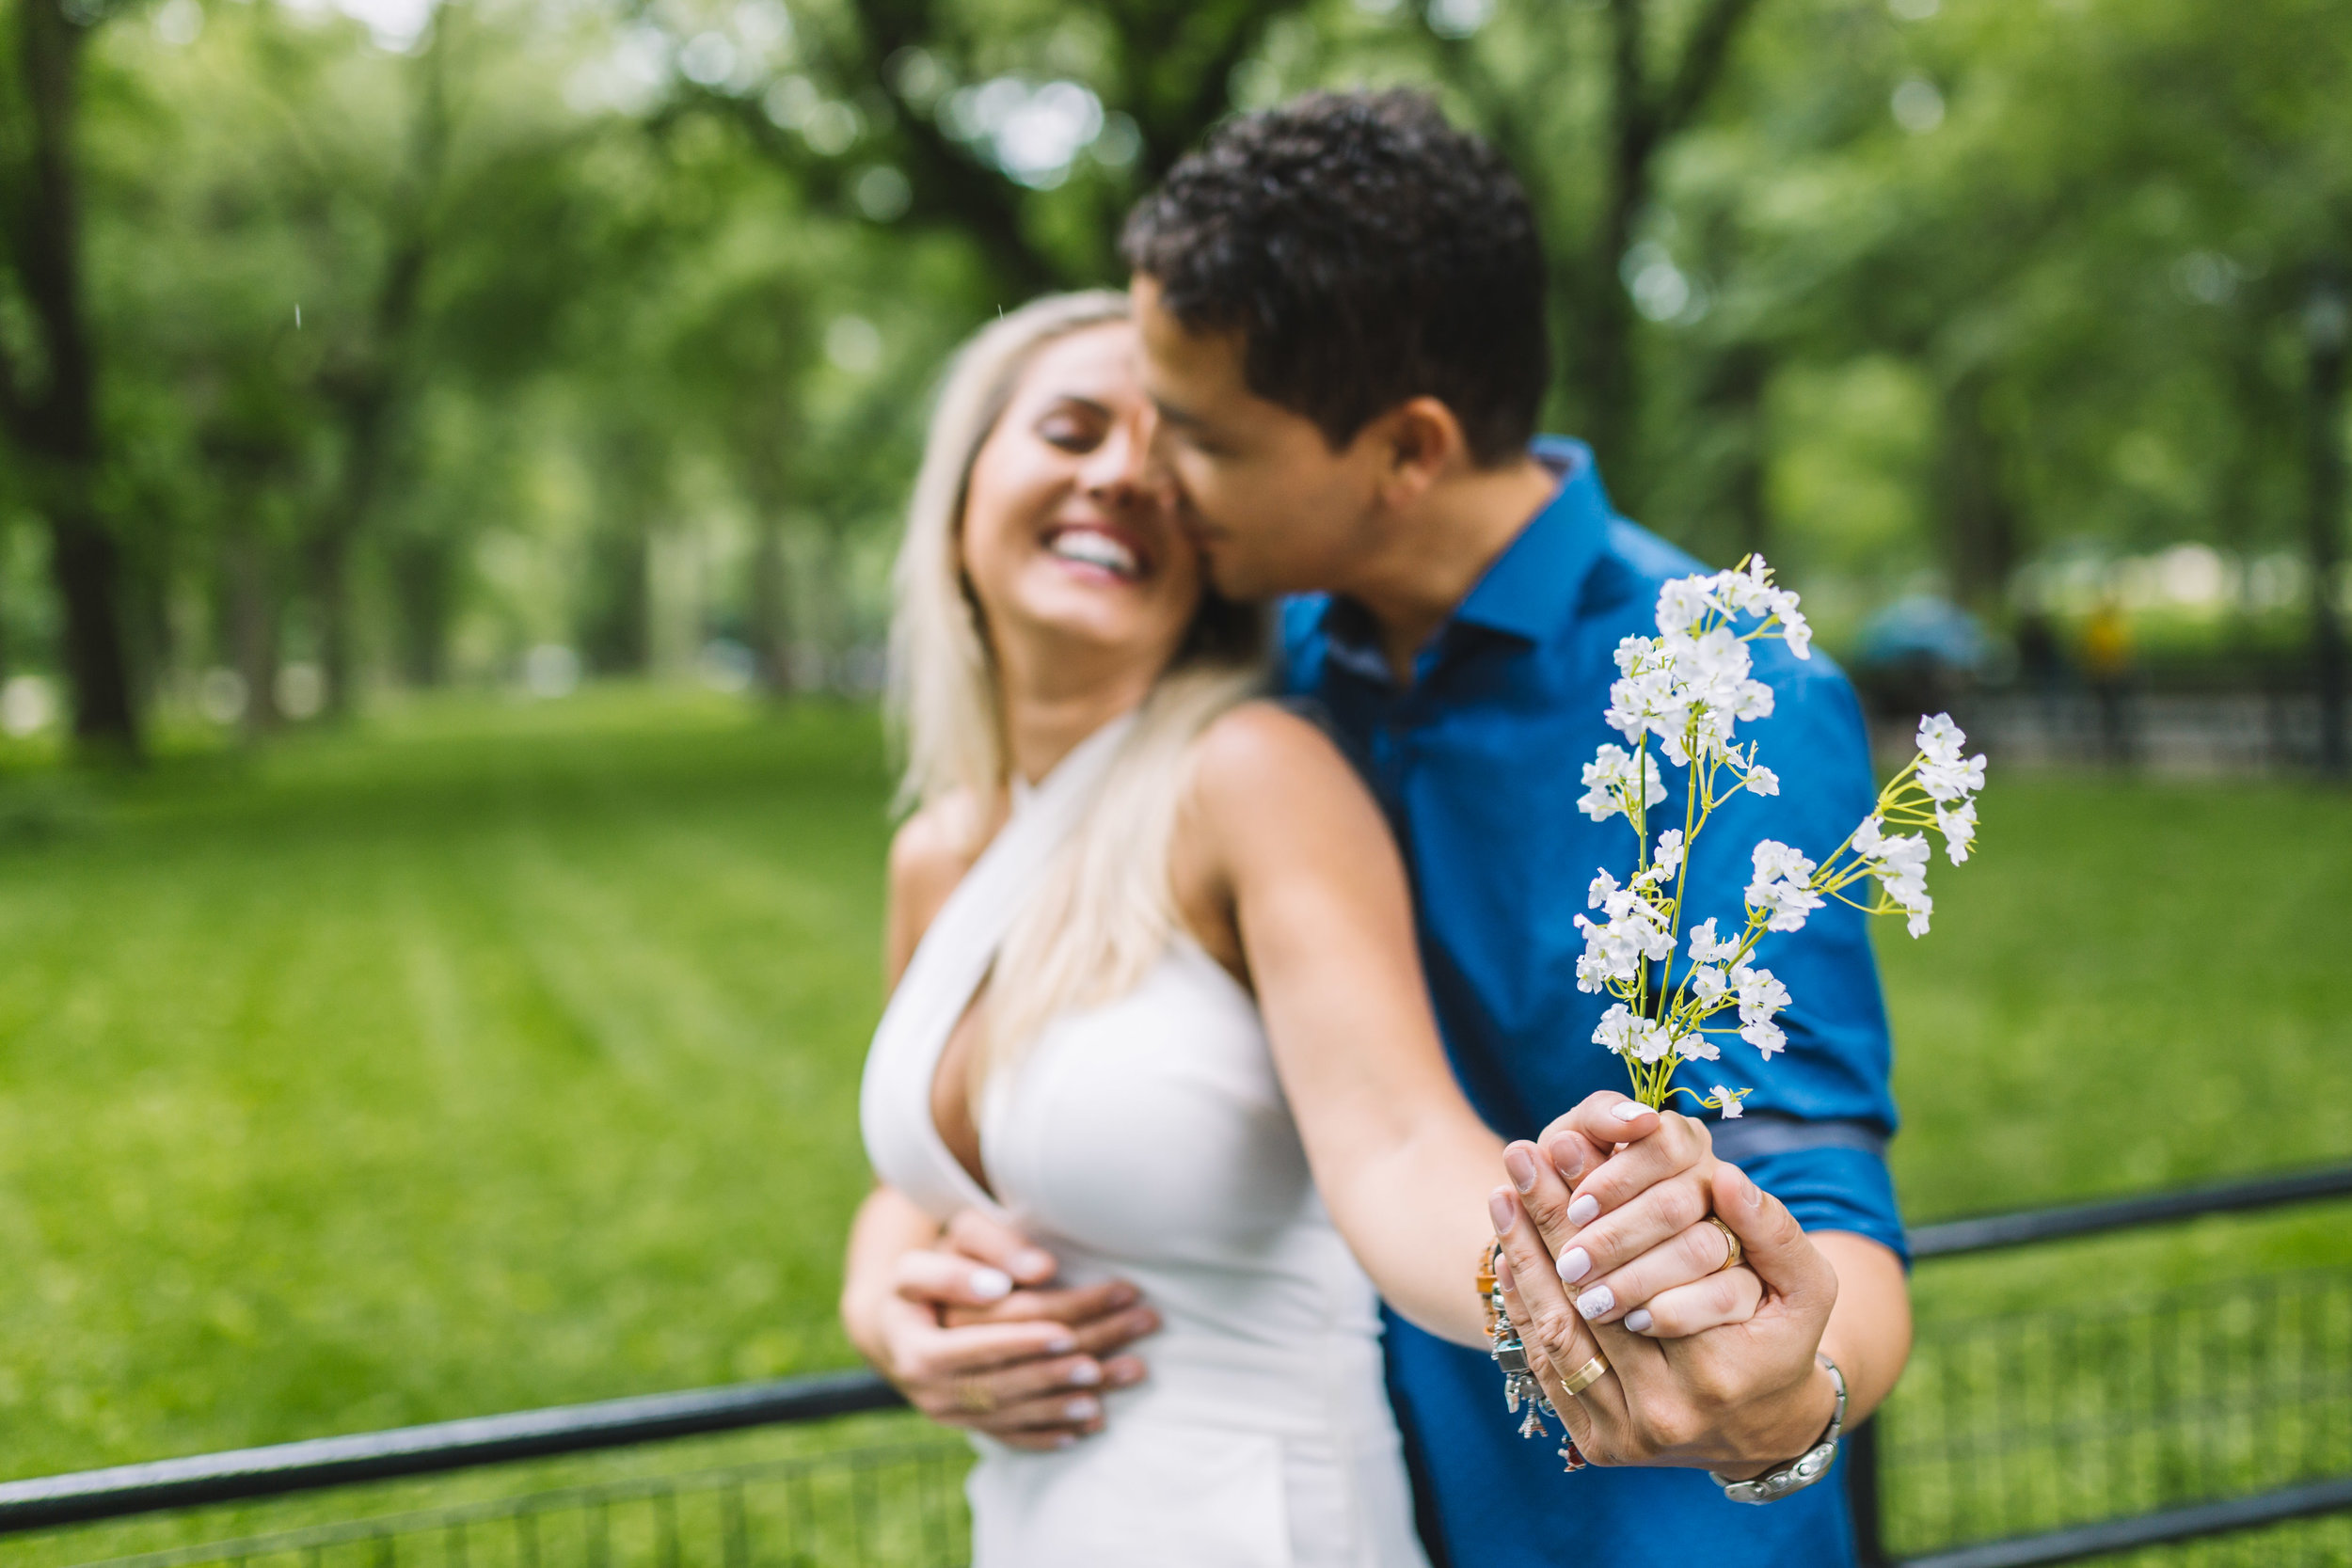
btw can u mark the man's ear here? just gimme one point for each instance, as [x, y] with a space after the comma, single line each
[1420, 440]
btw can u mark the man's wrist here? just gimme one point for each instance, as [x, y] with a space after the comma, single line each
[1811, 1411]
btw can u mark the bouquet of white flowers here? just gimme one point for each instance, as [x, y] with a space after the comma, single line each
[1681, 693]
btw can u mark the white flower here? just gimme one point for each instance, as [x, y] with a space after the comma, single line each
[1708, 984]
[1616, 1030]
[1597, 894]
[1762, 779]
[1706, 949]
[1940, 740]
[1795, 630]
[1651, 1043]
[1728, 1101]
[1609, 779]
[1593, 973]
[1748, 593]
[1775, 862]
[1958, 824]
[1681, 604]
[1952, 780]
[1695, 1047]
[1631, 651]
[1918, 923]
[1766, 1037]
[1669, 857]
[1782, 889]
[1760, 995]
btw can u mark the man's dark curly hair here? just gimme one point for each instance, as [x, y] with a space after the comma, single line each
[1369, 252]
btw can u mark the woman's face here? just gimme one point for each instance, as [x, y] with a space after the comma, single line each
[1069, 531]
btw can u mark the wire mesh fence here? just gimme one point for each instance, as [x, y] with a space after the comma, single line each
[2019, 1425]
[895, 1506]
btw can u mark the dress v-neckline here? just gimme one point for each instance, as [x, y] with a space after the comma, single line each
[1024, 796]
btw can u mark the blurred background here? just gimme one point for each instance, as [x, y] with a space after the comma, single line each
[450, 457]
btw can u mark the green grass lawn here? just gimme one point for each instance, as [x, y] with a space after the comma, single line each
[496, 1057]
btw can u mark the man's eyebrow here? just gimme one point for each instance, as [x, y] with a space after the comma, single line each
[1174, 414]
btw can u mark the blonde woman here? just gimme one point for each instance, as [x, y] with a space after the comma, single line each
[1156, 1003]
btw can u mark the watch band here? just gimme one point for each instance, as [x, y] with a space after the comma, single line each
[1802, 1471]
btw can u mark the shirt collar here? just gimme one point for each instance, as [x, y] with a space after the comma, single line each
[1532, 589]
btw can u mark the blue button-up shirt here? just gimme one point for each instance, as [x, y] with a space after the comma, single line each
[1477, 763]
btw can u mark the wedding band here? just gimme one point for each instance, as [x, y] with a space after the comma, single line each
[1731, 1239]
[974, 1399]
[1584, 1376]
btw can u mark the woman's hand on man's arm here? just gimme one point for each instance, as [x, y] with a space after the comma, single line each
[965, 1325]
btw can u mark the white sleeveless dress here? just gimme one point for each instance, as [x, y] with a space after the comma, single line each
[1149, 1138]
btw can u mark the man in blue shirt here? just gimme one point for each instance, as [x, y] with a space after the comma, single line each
[1342, 305]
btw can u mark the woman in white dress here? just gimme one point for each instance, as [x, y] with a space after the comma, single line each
[1157, 996]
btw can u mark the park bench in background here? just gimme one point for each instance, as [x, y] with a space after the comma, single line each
[2213, 1425]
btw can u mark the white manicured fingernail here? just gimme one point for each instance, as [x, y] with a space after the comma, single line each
[1638, 1320]
[1630, 1111]
[1584, 1211]
[1592, 1303]
[1034, 1261]
[1065, 1440]
[991, 1284]
[1082, 1409]
[1062, 1344]
[1085, 1374]
[1574, 1264]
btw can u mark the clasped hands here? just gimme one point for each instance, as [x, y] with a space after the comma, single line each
[1611, 1249]
[1608, 1250]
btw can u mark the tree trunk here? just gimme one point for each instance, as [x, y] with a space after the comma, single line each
[87, 568]
[1979, 523]
[253, 625]
[771, 611]
[421, 571]
[2324, 328]
[57, 430]
[330, 590]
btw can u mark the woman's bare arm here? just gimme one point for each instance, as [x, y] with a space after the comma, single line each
[1319, 900]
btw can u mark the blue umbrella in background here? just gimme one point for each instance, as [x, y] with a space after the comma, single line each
[1923, 629]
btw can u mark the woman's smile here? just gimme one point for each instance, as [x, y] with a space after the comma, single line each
[1098, 551]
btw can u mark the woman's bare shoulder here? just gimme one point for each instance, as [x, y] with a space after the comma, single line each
[1261, 755]
[931, 851]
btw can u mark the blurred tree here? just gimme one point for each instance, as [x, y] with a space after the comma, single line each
[49, 361]
[1023, 130]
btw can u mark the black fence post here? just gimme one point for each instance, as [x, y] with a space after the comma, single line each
[1860, 1451]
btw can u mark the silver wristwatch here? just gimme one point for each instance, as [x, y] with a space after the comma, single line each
[1800, 1472]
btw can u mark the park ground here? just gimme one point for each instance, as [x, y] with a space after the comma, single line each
[489, 1055]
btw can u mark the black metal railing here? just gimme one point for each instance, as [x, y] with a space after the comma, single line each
[2058, 1435]
[2217, 1423]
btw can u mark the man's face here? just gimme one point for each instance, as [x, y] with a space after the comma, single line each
[1275, 509]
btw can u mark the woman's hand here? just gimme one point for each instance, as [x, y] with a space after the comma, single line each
[1634, 1237]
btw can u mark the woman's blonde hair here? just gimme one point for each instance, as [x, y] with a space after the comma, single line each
[1105, 913]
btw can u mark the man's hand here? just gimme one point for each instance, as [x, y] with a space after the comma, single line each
[974, 1337]
[1740, 1394]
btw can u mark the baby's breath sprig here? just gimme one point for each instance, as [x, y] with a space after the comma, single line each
[1684, 691]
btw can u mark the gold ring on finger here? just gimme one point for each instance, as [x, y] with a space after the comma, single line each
[1731, 1242]
[974, 1399]
[1584, 1376]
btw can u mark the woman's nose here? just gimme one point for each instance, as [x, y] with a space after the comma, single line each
[1122, 467]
